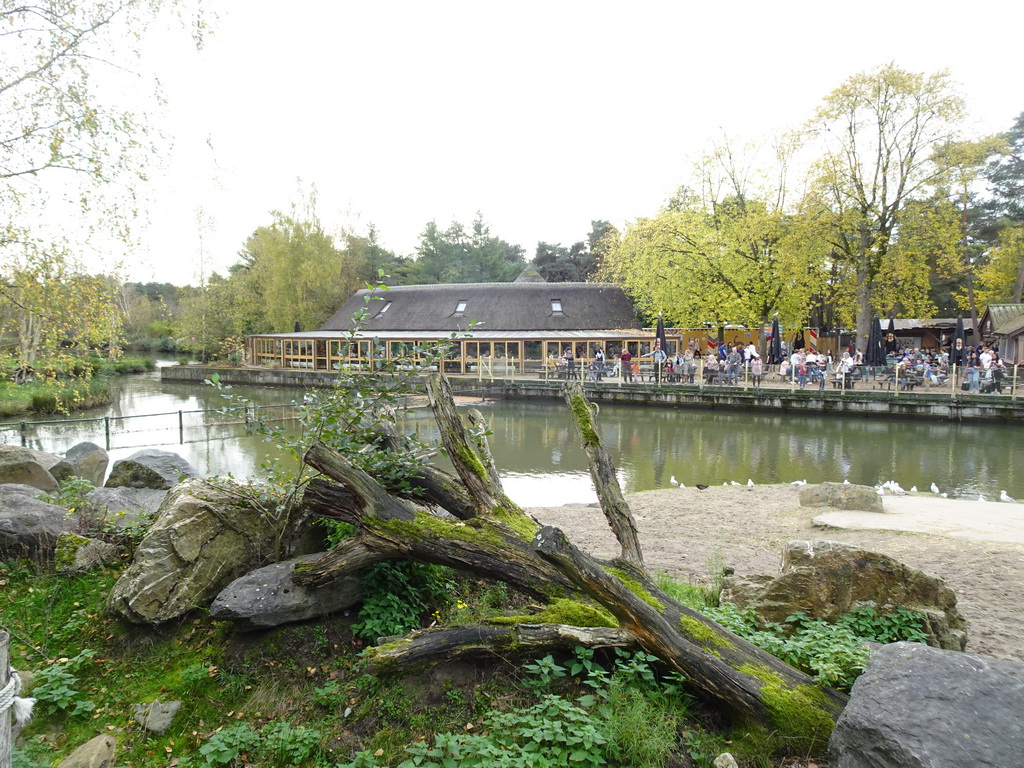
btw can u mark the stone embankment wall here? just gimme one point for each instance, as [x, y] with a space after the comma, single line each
[867, 403]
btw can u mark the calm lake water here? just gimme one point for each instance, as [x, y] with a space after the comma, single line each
[537, 450]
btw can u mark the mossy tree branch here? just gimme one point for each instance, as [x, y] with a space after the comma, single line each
[602, 471]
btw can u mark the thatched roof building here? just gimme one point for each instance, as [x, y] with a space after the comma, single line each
[519, 306]
[521, 326]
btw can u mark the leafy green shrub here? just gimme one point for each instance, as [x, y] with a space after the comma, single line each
[288, 744]
[398, 595]
[834, 654]
[228, 744]
[56, 686]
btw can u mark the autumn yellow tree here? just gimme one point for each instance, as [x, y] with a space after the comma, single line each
[719, 252]
[877, 134]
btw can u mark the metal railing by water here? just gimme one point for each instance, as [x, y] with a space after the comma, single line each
[172, 427]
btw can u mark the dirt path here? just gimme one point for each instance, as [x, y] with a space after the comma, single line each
[683, 528]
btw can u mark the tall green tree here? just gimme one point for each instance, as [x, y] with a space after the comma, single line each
[458, 255]
[877, 131]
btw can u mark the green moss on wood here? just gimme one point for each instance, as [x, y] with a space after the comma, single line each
[636, 588]
[585, 420]
[700, 633]
[571, 612]
[471, 460]
[800, 714]
[522, 525]
[426, 526]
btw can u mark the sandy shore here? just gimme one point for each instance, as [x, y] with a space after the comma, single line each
[746, 527]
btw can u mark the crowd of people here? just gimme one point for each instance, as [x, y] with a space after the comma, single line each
[978, 368]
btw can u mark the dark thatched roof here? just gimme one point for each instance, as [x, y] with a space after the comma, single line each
[495, 307]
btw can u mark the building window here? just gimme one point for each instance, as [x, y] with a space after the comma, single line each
[556, 307]
[460, 308]
[384, 309]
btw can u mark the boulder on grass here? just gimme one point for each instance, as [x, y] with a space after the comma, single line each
[919, 707]
[23, 466]
[98, 752]
[205, 536]
[29, 527]
[826, 579]
[267, 597]
[841, 496]
[85, 460]
[150, 469]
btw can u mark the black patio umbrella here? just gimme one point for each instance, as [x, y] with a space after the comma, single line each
[874, 354]
[775, 344]
[891, 345]
[956, 351]
[660, 340]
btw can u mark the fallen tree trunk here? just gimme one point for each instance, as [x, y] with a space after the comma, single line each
[427, 647]
[502, 542]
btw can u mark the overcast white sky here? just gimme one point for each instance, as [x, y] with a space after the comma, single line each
[541, 115]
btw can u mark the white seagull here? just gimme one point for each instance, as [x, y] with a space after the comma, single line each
[799, 482]
[880, 491]
[944, 495]
[846, 482]
[750, 483]
[733, 482]
[981, 497]
[672, 480]
[913, 489]
[935, 488]
[895, 488]
[1004, 496]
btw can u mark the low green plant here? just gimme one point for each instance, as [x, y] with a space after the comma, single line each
[398, 595]
[56, 687]
[228, 744]
[288, 744]
[72, 495]
[834, 654]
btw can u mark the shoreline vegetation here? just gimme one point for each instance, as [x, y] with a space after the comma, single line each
[65, 395]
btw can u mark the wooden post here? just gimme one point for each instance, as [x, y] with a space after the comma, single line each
[6, 718]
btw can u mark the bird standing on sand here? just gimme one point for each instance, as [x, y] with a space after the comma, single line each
[672, 480]
[701, 487]
[1004, 496]
[750, 483]
[799, 482]
[935, 488]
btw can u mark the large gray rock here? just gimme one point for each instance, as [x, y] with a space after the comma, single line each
[23, 466]
[85, 460]
[29, 527]
[267, 597]
[98, 752]
[919, 707]
[150, 469]
[120, 508]
[826, 579]
[841, 496]
[205, 536]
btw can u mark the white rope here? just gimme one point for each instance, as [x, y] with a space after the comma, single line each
[9, 700]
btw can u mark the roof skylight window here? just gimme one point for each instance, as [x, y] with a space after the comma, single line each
[383, 309]
[460, 308]
[556, 306]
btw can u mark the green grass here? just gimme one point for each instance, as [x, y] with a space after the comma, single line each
[68, 394]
